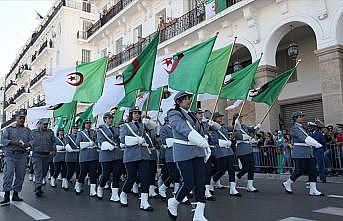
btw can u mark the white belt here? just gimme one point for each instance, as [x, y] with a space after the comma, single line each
[61, 151]
[302, 144]
[183, 142]
[73, 151]
[242, 141]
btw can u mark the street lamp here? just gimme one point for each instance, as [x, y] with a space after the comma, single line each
[293, 49]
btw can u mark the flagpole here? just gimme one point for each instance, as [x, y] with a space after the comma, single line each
[196, 94]
[159, 105]
[270, 107]
[221, 86]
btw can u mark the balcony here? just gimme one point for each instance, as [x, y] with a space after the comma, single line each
[37, 78]
[81, 35]
[108, 15]
[20, 92]
[7, 123]
[12, 83]
[84, 6]
[39, 103]
[167, 31]
[9, 103]
[45, 50]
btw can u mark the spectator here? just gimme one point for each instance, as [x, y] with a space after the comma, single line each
[287, 147]
[256, 151]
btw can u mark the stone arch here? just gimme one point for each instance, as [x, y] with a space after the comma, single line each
[281, 29]
[337, 26]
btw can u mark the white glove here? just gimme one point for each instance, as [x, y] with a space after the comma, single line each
[68, 148]
[258, 126]
[246, 137]
[197, 139]
[141, 140]
[206, 137]
[310, 141]
[207, 154]
[237, 124]
[210, 123]
[145, 121]
[111, 147]
[122, 145]
[224, 143]
[214, 125]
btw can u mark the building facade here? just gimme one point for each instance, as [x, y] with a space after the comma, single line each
[56, 43]
[121, 28]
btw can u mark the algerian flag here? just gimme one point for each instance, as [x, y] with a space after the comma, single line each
[162, 69]
[118, 117]
[188, 66]
[240, 83]
[270, 91]
[60, 110]
[129, 100]
[111, 96]
[138, 75]
[215, 71]
[83, 83]
[210, 8]
[155, 97]
[220, 5]
[87, 114]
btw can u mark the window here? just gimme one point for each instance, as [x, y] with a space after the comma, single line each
[284, 63]
[86, 56]
[86, 6]
[137, 33]
[86, 25]
[119, 45]
[160, 18]
[103, 52]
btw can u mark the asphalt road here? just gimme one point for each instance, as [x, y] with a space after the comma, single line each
[271, 203]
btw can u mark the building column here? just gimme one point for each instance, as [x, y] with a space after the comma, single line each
[330, 61]
[264, 74]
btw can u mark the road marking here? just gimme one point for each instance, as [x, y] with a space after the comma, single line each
[29, 210]
[330, 210]
[296, 219]
[335, 196]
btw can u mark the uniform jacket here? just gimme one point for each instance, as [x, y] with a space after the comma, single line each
[136, 152]
[60, 156]
[181, 130]
[15, 132]
[109, 155]
[166, 132]
[87, 154]
[213, 140]
[72, 156]
[42, 142]
[298, 136]
[243, 148]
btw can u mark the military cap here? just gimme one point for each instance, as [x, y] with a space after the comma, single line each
[181, 94]
[135, 109]
[21, 113]
[44, 120]
[108, 115]
[217, 114]
[297, 114]
[88, 121]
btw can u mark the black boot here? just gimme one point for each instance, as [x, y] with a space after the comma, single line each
[39, 191]
[15, 197]
[6, 200]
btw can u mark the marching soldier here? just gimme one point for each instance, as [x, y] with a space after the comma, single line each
[43, 147]
[16, 141]
[210, 164]
[166, 140]
[191, 151]
[59, 160]
[302, 154]
[244, 150]
[110, 157]
[218, 137]
[88, 158]
[136, 158]
[72, 155]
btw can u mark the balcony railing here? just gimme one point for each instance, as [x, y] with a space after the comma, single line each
[19, 92]
[168, 31]
[9, 102]
[84, 7]
[81, 35]
[108, 15]
[39, 103]
[38, 77]
[42, 47]
[12, 83]
[10, 121]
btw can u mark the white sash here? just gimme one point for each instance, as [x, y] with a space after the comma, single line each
[68, 147]
[88, 145]
[110, 145]
[60, 148]
[310, 140]
[134, 134]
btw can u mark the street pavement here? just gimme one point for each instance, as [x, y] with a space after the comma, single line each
[271, 203]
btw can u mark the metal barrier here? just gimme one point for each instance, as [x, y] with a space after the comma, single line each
[274, 159]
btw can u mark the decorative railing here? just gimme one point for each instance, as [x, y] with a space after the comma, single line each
[19, 92]
[38, 77]
[10, 121]
[9, 102]
[12, 83]
[108, 15]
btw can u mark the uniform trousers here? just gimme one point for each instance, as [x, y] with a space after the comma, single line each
[192, 176]
[142, 167]
[107, 168]
[73, 167]
[14, 166]
[225, 164]
[60, 167]
[90, 168]
[247, 161]
[303, 166]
